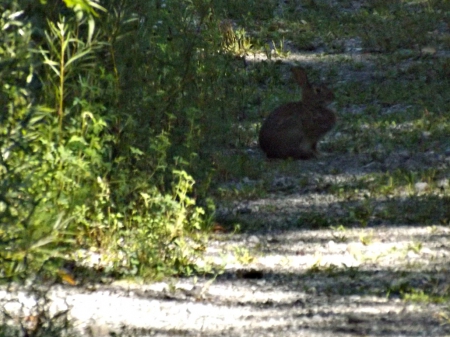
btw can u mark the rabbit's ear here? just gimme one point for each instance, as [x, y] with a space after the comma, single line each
[300, 76]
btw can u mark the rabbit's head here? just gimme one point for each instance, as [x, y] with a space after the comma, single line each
[312, 94]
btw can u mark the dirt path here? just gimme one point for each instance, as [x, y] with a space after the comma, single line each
[303, 283]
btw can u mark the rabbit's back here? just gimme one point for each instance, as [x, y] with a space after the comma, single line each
[283, 117]
[282, 134]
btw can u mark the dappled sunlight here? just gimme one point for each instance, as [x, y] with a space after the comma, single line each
[369, 249]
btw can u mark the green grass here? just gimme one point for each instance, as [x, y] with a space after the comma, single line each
[392, 102]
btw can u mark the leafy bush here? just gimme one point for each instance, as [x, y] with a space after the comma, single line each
[106, 110]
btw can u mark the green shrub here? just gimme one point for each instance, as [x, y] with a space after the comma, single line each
[105, 113]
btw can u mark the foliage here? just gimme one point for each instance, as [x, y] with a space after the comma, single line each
[82, 165]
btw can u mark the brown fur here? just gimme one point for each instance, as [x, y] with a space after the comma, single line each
[294, 129]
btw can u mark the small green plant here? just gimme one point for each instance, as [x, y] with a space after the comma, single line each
[366, 240]
[276, 51]
[339, 236]
[420, 296]
[415, 247]
[235, 42]
[243, 255]
[318, 267]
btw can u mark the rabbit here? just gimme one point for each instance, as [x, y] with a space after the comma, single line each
[294, 129]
